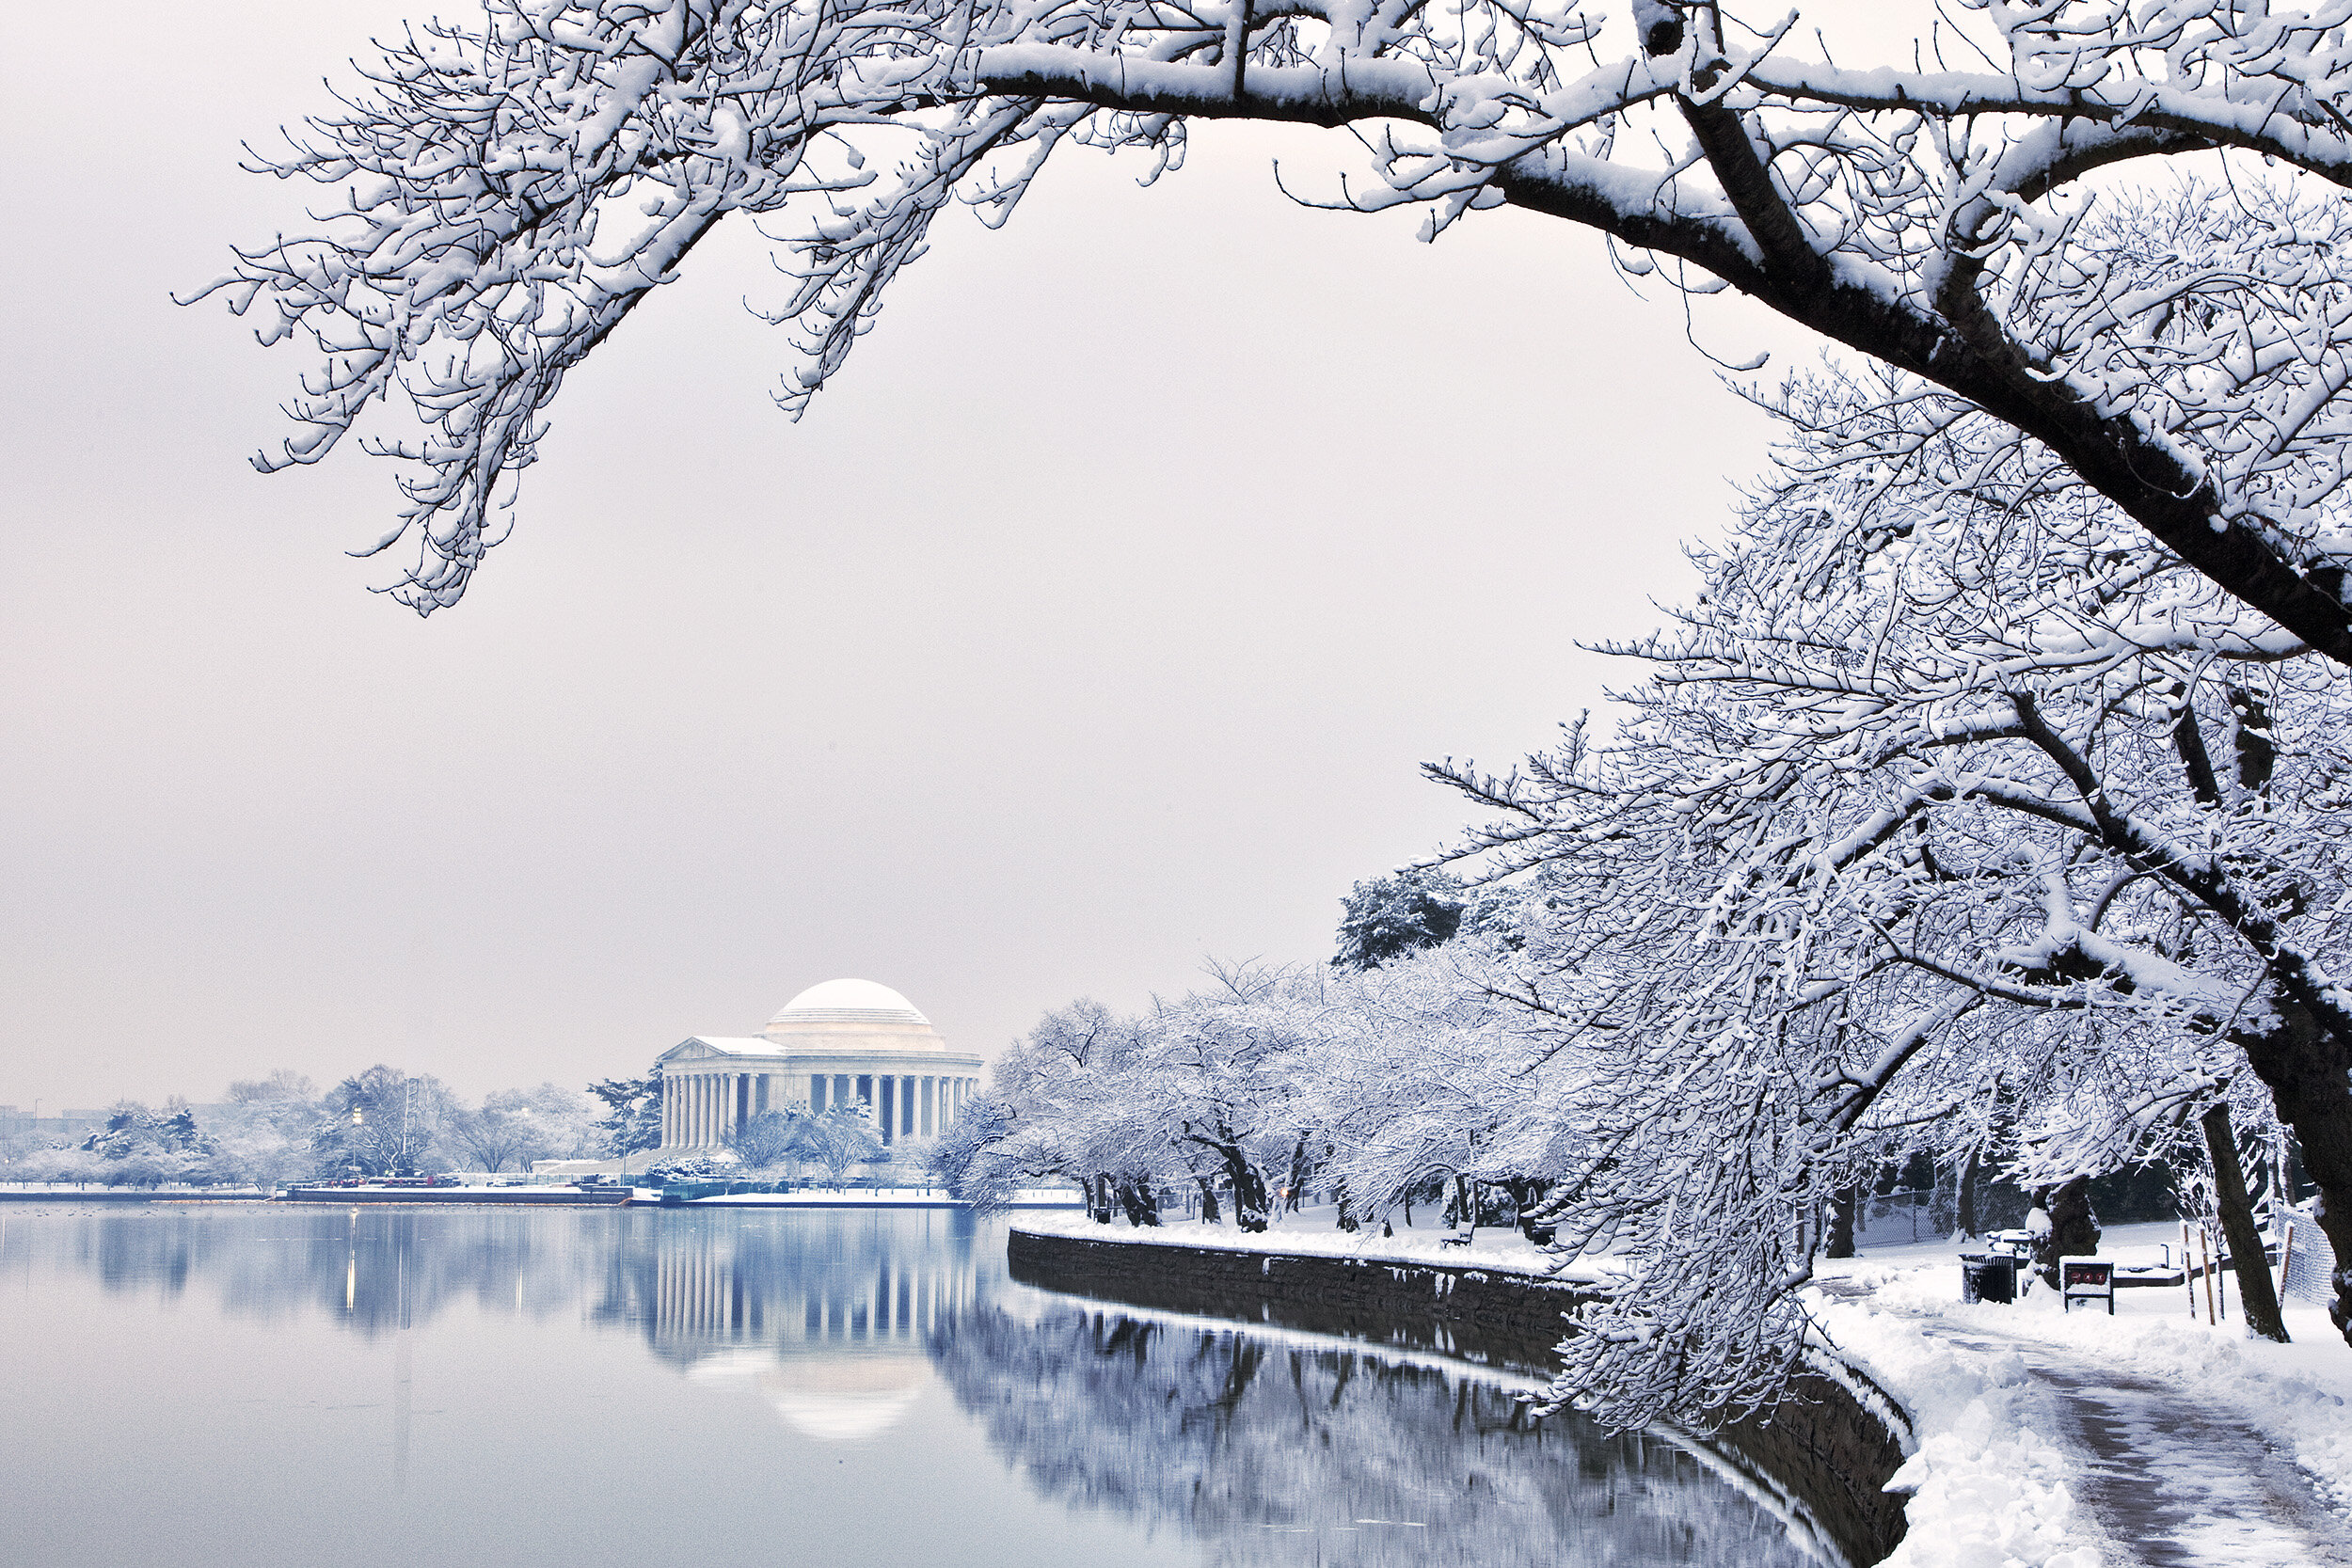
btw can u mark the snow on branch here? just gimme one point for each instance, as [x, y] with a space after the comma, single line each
[505, 193]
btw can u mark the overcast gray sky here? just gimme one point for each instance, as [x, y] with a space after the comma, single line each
[1093, 621]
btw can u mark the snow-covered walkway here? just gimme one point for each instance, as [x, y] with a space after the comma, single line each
[2049, 1439]
[2170, 1480]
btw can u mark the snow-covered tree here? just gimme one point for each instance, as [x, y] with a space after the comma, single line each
[773, 1137]
[1073, 1100]
[1389, 916]
[383, 1122]
[632, 1122]
[1957, 821]
[496, 197]
[517, 1126]
[262, 1134]
[1416, 1074]
[1958, 815]
[1266, 1084]
[842, 1136]
[282, 1086]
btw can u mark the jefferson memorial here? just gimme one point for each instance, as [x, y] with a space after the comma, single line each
[841, 1043]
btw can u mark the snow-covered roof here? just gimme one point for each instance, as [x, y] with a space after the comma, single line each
[840, 1018]
[728, 1045]
[847, 1002]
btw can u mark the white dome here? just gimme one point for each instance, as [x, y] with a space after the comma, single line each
[834, 998]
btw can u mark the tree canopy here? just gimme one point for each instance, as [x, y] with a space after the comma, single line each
[1390, 916]
[503, 193]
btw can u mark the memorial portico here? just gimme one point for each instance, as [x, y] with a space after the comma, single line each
[845, 1042]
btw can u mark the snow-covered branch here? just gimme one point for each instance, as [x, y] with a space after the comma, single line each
[507, 192]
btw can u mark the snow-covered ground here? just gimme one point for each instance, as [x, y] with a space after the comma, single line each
[1316, 1232]
[2050, 1439]
[2043, 1438]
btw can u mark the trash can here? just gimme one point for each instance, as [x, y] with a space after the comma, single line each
[1987, 1276]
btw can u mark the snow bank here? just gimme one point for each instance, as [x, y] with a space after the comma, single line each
[1313, 1232]
[1989, 1488]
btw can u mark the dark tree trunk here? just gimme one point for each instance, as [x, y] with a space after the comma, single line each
[1250, 1209]
[1841, 1224]
[2254, 1290]
[1294, 1189]
[1209, 1214]
[1347, 1208]
[1971, 1223]
[2304, 1067]
[1099, 1200]
[2073, 1228]
[1141, 1203]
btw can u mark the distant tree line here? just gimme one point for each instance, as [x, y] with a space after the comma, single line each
[383, 1121]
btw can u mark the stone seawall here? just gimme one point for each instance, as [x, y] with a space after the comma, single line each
[1826, 1453]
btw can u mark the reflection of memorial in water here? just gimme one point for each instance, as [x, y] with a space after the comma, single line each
[829, 1315]
[1269, 1451]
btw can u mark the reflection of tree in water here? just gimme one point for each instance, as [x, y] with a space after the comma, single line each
[691, 1282]
[372, 1269]
[1276, 1455]
[1267, 1453]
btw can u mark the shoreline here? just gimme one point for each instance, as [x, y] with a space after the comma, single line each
[522, 1195]
[1828, 1451]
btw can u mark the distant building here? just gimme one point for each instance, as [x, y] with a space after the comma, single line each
[17, 1123]
[845, 1042]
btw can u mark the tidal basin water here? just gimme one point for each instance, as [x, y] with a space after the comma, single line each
[262, 1385]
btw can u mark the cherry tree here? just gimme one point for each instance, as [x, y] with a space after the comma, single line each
[1955, 814]
[1069, 1101]
[1273, 1081]
[500, 195]
[1200, 1090]
[1417, 1072]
